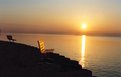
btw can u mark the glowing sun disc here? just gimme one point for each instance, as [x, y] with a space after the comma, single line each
[84, 26]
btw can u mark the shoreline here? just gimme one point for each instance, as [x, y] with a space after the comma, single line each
[24, 60]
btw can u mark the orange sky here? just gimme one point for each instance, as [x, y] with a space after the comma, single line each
[60, 16]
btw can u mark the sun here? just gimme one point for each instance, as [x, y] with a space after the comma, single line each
[84, 26]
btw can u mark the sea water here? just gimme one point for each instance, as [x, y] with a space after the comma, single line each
[101, 55]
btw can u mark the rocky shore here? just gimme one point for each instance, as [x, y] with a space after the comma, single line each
[19, 60]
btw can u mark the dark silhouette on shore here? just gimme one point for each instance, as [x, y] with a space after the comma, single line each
[19, 60]
[10, 38]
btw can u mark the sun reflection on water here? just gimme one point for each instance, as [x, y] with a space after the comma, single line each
[82, 61]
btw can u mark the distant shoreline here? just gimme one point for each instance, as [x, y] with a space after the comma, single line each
[100, 35]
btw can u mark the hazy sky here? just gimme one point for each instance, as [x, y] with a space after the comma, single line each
[60, 16]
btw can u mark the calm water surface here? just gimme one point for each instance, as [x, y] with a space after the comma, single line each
[102, 55]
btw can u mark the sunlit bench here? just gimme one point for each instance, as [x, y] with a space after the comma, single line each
[10, 38]
[42, 47]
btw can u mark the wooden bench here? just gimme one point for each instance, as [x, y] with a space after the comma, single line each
[42, 47]
[10, 38]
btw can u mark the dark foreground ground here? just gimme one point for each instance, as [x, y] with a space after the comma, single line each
[19, 60]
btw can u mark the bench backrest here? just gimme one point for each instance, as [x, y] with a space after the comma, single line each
[41, 46]
[9, 37]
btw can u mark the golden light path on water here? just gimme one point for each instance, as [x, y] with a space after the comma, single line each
[82, 61]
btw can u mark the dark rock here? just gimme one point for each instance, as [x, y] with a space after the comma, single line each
[19, 60]
[18, 54]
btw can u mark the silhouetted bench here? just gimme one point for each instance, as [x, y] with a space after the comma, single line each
[10, 38]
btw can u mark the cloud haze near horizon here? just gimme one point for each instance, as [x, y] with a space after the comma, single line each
[60, 16]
